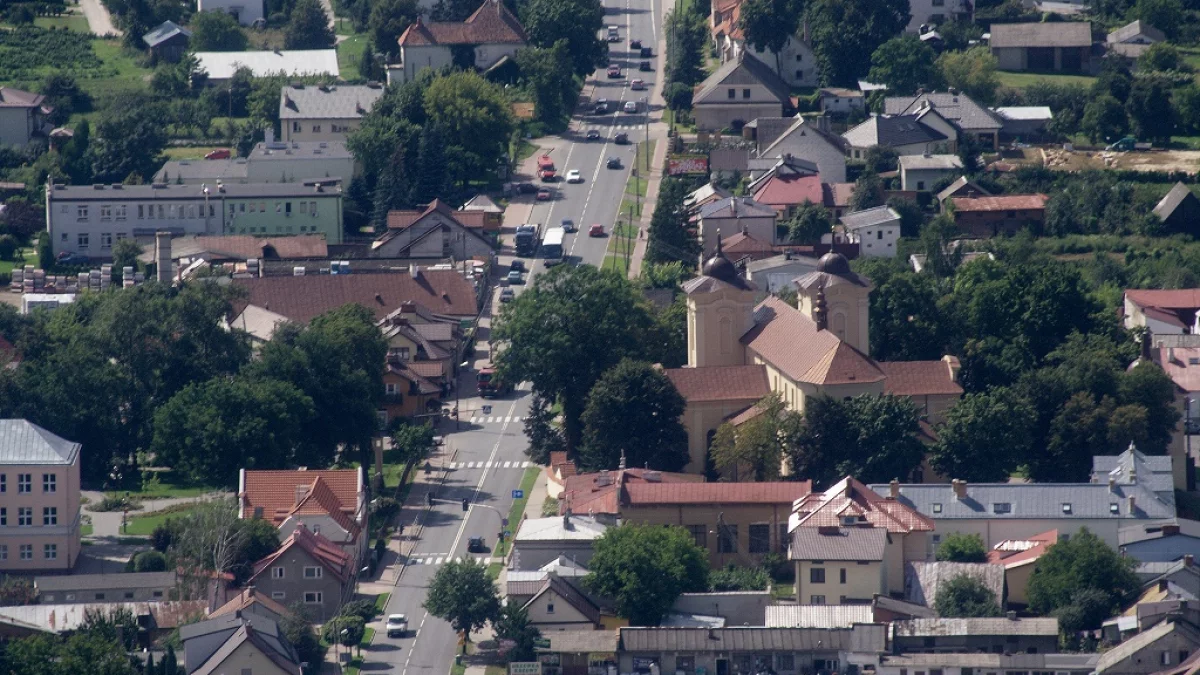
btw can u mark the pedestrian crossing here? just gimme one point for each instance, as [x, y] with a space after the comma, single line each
[490, 465]
[439, 560]
[496, 419]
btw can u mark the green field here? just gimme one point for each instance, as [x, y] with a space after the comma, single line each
[349, 53]
[143, 525]
[196, 152]
[1022, 80]
[74, 22]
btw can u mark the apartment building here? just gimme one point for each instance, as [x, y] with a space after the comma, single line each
[39, 499]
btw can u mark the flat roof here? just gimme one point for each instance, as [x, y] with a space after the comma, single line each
[293, 63]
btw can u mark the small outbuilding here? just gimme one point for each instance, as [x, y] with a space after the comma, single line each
[168, 42]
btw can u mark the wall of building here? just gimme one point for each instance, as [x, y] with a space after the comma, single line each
[320, 213]
[91, 228]
[994, 531]
[416, 59]
[1009, 58]
[1016, 584]
[717, 116]
[454, 241]
[295, 170]
[324, 129]
[549, 612]
[248, 658]
[901, 150]
[922, 180]
[878, 241]
[699, 419]
[863, 581]
[993, 223]
[716, 322]
[294, 585]
[532, 555]
[403, 403]
[709, 663]
[246, 11]
[115, 594]
[64, 535]
[996, 644]
[703, 519]
[16, 126]
[848, 311]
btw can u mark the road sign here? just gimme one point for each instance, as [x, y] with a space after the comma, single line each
[518, 494]
[504, 522]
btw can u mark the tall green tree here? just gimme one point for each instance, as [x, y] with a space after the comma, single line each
[389, 19]
[868, 192]
[514, 625]
[65, 96]
[668, 239]
[297, 627]
[906, 322]
[1149, 109]
[644, 568]
[432, 180]
[216, 32]
[687, 41]
[972, 72]
[462, 594]
[634, 409]
[966, 596]
[475, 120]
[809, 223]
[977, 425]
[308, 27]
[873, 438]
[544, 437]
[753, 450]
[769, 24]
[905, 64]
[555, 91]
[576, 21]
[1166, 15]
[1082, 563]
[1104, 119]
[964, 548]
[845, 33]
[128, 140]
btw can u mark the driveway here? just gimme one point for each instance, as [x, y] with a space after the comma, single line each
[99, 20]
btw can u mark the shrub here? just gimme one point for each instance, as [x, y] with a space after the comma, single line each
[363, 609]
[734, 578]
[112, 502]
[150, 561]
[385, 510]
[8, 246]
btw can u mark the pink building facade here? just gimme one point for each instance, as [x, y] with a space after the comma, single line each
[39, 499]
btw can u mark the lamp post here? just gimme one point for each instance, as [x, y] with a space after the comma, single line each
[345, 632]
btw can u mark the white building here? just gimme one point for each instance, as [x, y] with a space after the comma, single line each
[921, 172]
[247, 12]
[807, 140]
[326, 112]
[20, 116]
[492, 33]
[270, 162]
[796, 63]
[875, 230]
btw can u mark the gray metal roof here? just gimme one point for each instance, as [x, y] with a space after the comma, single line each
[23, 442]
[100, 582]
[1055, 662]
[867, 217]
[818, 616]
[923, 579]
[203, 639]
[1143, 640]
[1033, 500]
[1132, 534]
[983, 626]
[290, 150]
[202, 169]
[918, 162]
[956, 107]
[165, 31]
[861, 638]
[106, 193]
[1171, 201]
[847, 543]
[745, 69]
[1135, 29]
[1152, 472]
[1056, 34]
[892, 130]
[736, 207]
[335, 102]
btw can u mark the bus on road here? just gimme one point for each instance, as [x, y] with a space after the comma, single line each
[552, 246]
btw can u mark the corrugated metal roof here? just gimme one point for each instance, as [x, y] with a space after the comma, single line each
[64, 618]
[749, 639]
[23, 442]
[981, 626]
[1034, 500]
[818, 616]
[97, 582]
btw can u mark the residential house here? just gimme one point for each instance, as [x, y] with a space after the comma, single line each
[741, 90]
[127, 587]
[743, 248]
[236, 643]
[168, 42]
[836, 198]
[1162, 312]
[839, 101]
[221, 66]
[1167, 644]
[557, 472]
[808, 140]
[936, 12]
[749, 649]
[433, 231]
[1181, 579]
[922, 172]
[771, 275]
[249, 602]
[1001, 635]
[1133, 39]
[325, 112]
[539, 541]
[1154, 472]
[1165, 541]
[331, 503]
[962, 663]
[876, 231]
[521, 585]
[1064, 46]
[876, 534]
[87, 219]
[703, 196]
[764, 131]
[493, 212]
[1026, 122]
[492, 35]
[40, 518]
[247, 12]
[1179, 210]
[307, 568]
[1189, 666]
[923, 579]
[736, 214]
[933, 386]
[156, 620]
[986, 216]
[599, 494]
[22, 116]
[408, 392]
[795, 62]
[906, 134]
[1019, 558]
[787, 185]
[558, 605]
[955, 107]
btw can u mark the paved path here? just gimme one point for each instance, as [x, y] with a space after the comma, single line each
[98, 18]
[107, 524]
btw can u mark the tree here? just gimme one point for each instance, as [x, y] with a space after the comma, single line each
[513, 626]
[569, 327]
[1103, 119]
[735, 578]
[880, 158]
[217, 32]
[576, 21]
[544, 437]
[16, 591]
[904, 64]
[474, 118]
[977, 425]
[462, 594]
[668, 239]
[768, 25]
[1082, 563]
[1166, 15]
[754, 449]
[972, 72]
[845, 33]
[964, 548]
[128, 141]
[308, 27]
[64, 97]
[1160, 56]
[125, 253]
[868, 192]
[432, 181]
[966, 596]
[150, 561]
[644, 568]
[412, 442]
[809, 223]
[1186, 100]
[633, 410]
[296, 626]
[354, 628]
[389, 19]
[1149, 108]
[687, 44]
[870, 437]
[554, 89]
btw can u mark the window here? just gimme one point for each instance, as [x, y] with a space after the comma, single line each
[278, 207]
[920, 185]
[842, 575]
[296, 127]
[316, 128]
[1066, 507]
[26, 551]
[313, 210]
[3, 551]
[277, 573]
[49, 515]
[816, 600]
[3, 517]
[732, 93]
[799, 58]
[799, 74]
[25, 516]
[685, 663]
[49, 482]
[1002, 507]
[937, 539]
[162, 212]
[105, 212]
[99, 596]
[316, 529]
[141, 211]
[3, 482]
[312, 597]
[278, 595]
[157, 594]
[81, 213]
[785, 662]
[1166, 658]
[549, 607]
[106, 240]
[727, 539]
[816, 575]
[128, 595]
[760, 538]
[745, 94]
[24, 483]
[83, 241]
[120, 211]
[287, 208]
[313, 572]
[390, 388]
[1183, 654]
[64, 237]
[699, 535]
[1114, 509]
[70, 597]
[937, 507]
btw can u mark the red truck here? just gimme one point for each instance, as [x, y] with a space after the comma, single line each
[546, 169]
[490, 385]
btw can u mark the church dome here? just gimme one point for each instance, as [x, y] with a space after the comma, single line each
[833, 263]
[719, 267]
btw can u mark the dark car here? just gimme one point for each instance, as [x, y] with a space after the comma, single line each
[526, 188]
[614, 163]
[568, 225]
[614, 71]
[646, 52]
[476, 545]
[68, 258]
[593, 135]
[635, 44]
[621, 139]
[601, 106]
[518, 265]
[646, 67]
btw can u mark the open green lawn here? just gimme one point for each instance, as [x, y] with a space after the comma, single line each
[349, 54]
[85, 530]
[616, 263]
[143, 525]
[75, 22]
[1022, 80]
[166, 486]
[518, 507]
[197, 152]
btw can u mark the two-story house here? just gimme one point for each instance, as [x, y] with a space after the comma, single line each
[736, 214]
[331, 503]
[39, 499]
[309, 569]
[237, 644]
[795, 62]
[741, 90]
[911, 134]
[967, 116]
[490, 34]
[21, 116]
[876, 231]
[435, 231]
[325, 112]
[810, 140]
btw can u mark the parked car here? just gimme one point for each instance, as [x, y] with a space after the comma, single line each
[646, 67]
[573, 176]
[596, 230]
[220, 153]
[515, 277]
[476, 545]
[631, 106]
[68, 258]
[518, 265]
[637, 85]
[397, 625]
[568, 225]
[543, 195]
[621, 139]
[507, 295]
[646, 52]
[526, 188]
[614, 71]
[614, 163]
[635, 44]
[593, 135]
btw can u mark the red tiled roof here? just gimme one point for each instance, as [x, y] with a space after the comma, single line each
[742, 244]
[1184, 375]
[790, 190]
[1000, 203]
[1186, 298]
[406, 373]
[730, 24]
[720, 383]
[317, 547]
[247, 598]
[836, 195]
[1017, 552]
[300, 299]
[275, 491]
[492, 23]
[779, 492]
[244, 246]
[562, 465]
[583, 495]
[400, 220]
[321, 500]
[851, 498]
[919, 378]
[432, 370]
[787, 339]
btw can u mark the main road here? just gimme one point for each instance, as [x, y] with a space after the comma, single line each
[489, 449]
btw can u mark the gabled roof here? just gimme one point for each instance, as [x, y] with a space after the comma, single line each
[892, 130]
[999, 203]
[343, 101]
[922, 580]
[1055, 34]
[407, 372]
[774, 492]
[1035, 500]
[800, 126]
[1020, 552]
[320, 549]
[788, 340]
[736, 207]
[877, 215]
[1134, 29]
[955, 107]
[275, 492]
[961, 183]
[742, 245]
[242, 602]
[16, 98]
[301, 299]
[1133, 534]
[23, 442]
[1146, 639]
[746, 69]
[482, 202]
[1175, 197]
[919, 378]
[321, 500]
[782, 191]
[207, 644]
[165, 31]
[572, 597]
[492, 23]
[931, 162]
[850, 498]
[860, 544]
[243, 247]
[720, 383]
[704, 194]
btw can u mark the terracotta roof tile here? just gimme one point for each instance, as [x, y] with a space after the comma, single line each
[1017, 552]
[836, 195]
[778, 492]
[318, 548]
[431, 370]
[275, 491]
[720, 383]
[584, 493]
[492, 23]
[403, 371]
[999, 203]
[782, 191]
[919, 378]
[851, 498]
[321, 500]
[244, 246]
[744, 244]
[247, 598]
[786, 338]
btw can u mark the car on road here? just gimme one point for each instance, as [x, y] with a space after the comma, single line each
[601, 106]
[646, 52]
[635, 44]
[219, 153]
[614, 71]
[613, 163]
[631, 106]
[646, 67]
[525, 188]
[515, 277]
[573, 176]
[593, 135]
[476, 545]
[543, 195]
[596, 230]
[568, 225]
[507, 295]
[397, 625]
[68, 258]
[637, 85]
[518, 265]
[621, 139]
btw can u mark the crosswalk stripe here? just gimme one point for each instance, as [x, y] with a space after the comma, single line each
[437, 562]
[524, 465]
[474, 420]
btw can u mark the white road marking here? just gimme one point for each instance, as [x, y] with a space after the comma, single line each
[482, 478]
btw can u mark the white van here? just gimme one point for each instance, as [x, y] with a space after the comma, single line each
[613, 34]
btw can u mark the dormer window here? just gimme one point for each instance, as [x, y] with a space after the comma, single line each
[849, 521]
[1002, 507]
[1114, 509]
[937, 508]
[1066, 507]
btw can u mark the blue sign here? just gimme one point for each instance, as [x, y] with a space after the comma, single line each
[518, 494]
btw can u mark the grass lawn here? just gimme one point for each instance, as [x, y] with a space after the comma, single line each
[368, 634]
[143, 525]
[495, 670]
[85, 530]
[493, 570]
[518, 508]
[616, 263]
[166, 487]
[349, 53]
[381, 602]
[129, 75]
[1022, 80]
[75, 22]
[525, 150]
[197, 152]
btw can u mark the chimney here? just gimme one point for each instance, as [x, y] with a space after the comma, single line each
[1112, 483]
[1012, 616]
[162, 257]
[960, 488]
[269, 134]
[894, 489]
[1170, 530]
[1132, 504]
[819, 315]
[953, 365]
[414, 271]
[1189, 560]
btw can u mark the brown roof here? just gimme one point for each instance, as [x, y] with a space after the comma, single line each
[1001, 203]
[275, 491]
[427, 369]
[400, 220]
[779, 492]
[851, 498]
[317, 547]
[919, 378]
[560, 463]
[720, 383]
[1187, 298]
[1018, 552]
[787, 339]
[405, 372]
[588, 494]
[241, 247]
[554, 584]
[300, 299]
[741, 245]
[321, 500]
[864, 544]
[16, 98]
[836, 195]
[492, 23]
[247, 598]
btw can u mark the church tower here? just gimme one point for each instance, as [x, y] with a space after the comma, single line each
[838, 299]
[720, 305]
